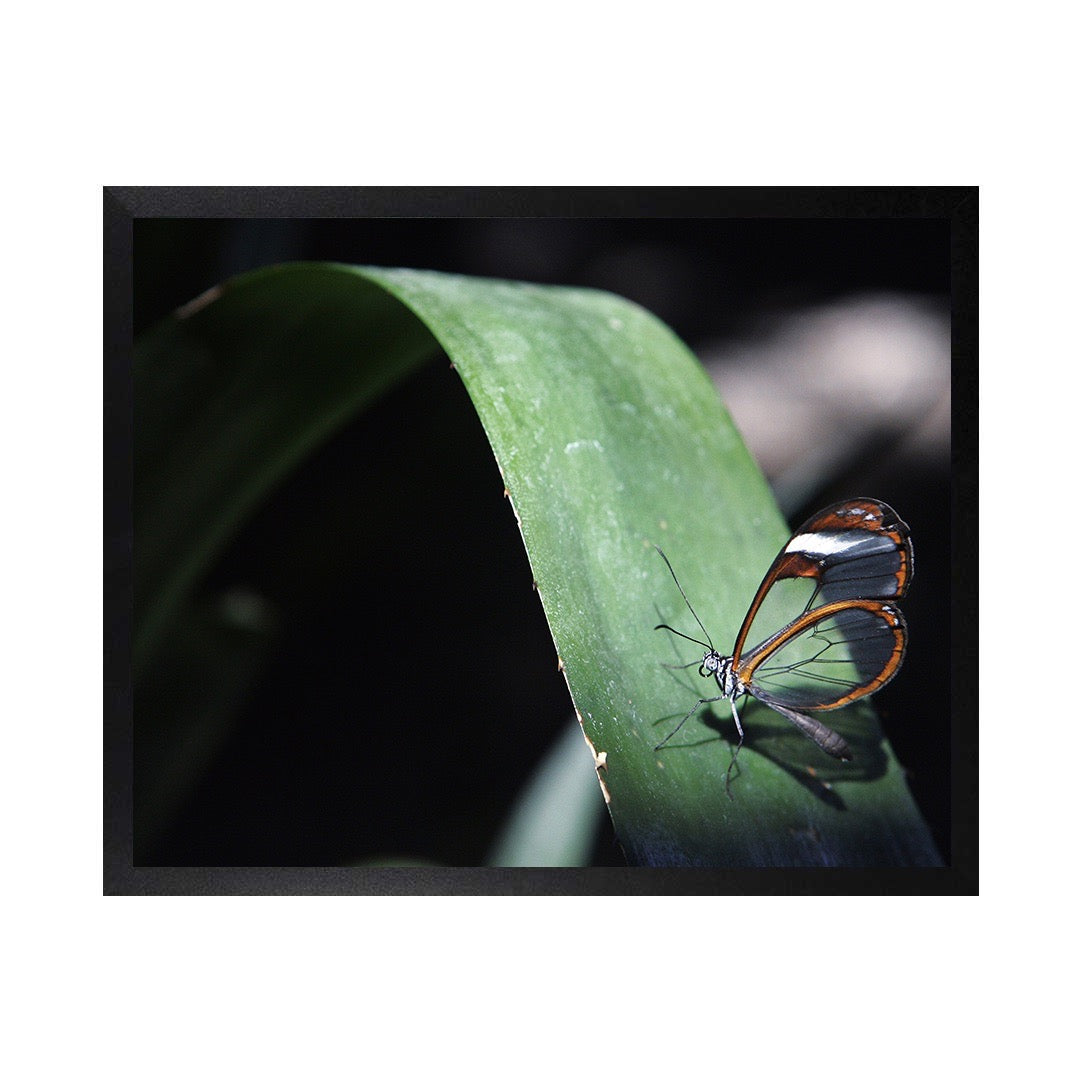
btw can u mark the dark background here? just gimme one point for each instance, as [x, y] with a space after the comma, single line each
[314, 769]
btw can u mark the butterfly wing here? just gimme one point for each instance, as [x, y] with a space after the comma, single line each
[858, 549]
[828, 657]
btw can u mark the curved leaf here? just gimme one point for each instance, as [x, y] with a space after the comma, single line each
[231, 392]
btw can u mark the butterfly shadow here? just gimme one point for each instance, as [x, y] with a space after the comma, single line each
[767, 733]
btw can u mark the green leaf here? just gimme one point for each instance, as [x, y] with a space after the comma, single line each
[555, 820]
[231, 393]
[610, 439]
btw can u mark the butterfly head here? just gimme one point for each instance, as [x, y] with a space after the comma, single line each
[713, 665]
[710, 663]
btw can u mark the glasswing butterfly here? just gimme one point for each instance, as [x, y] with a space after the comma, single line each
[853, 559]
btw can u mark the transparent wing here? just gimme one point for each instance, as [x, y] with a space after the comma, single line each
[856, 549]
[828, 657]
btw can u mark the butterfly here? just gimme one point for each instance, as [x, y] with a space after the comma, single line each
[855, 560]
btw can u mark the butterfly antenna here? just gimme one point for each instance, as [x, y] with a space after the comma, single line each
[679, 633]
[708, 639]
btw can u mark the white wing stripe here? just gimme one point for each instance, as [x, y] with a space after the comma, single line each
[817, 544]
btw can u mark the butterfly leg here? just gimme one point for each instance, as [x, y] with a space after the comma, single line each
[738, 726]
[703, 701]
[738, 747]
